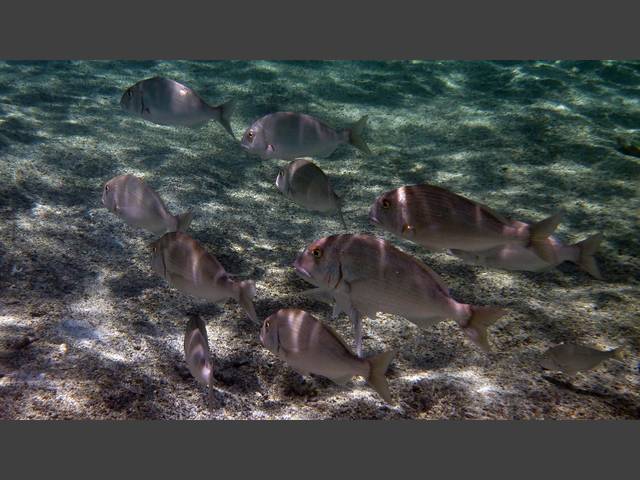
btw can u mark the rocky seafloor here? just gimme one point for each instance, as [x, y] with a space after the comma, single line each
[87, 330]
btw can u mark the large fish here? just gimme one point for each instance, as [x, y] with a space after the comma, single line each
[519, 257]
[196, 351]
[306, 184]
[187, 266]
[439, 219]
[289, 135]
[309, 346]
[166, 102]
[366, 275]
[140, 206]
[571, 358]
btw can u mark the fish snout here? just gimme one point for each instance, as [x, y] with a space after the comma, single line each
[298, 265]
[372, 216]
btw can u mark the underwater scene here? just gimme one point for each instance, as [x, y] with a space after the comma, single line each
[319, 240]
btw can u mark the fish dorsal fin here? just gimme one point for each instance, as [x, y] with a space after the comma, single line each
[470, 203]
[335, 334]
[436, 278]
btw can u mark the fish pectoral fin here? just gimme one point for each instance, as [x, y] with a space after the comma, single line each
[270, 148]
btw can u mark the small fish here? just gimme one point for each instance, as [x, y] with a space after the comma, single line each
[519, 257]
[366, 275]
[140, 206]
[289, 135]
[187, 266]
[628, 148]
[439, 219]
[571, 358]
[306, 184]
[196, 351]
[309, 346]
[166, 102]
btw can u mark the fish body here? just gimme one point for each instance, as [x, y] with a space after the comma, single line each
[187, 266]
[164, 101]
[571, 358]
[439, 219]
[196, 351]
[289, 135]
[522, 258]
[309, 346]
[131, 199]
[366, 275]
[303, 182]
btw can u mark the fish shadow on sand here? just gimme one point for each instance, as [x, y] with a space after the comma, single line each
[624, 404]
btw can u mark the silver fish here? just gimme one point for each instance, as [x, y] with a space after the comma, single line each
[187, 266]
[571, 358]
[289, 135]
[309, 346]
[519, 257]
[306, 184]
[140, 206]
[196, 351]
[439, 219]
[164, 101]
[365, 275]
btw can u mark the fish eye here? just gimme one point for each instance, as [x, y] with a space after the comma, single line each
[267, 324]
[386, 204]
[316, 252]
[250, 135]
[106, 188]
[128, 93]
[154, 249]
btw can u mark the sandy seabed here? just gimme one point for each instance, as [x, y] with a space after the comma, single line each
[88, 331]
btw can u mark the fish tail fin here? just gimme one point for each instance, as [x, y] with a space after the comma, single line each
[355, 135]
[481, 319]
[225, 111]
[540, 232]
[341, 216]
[586, 260]
[184, 220]
[618, 353]
[245, 292]
[378, 368]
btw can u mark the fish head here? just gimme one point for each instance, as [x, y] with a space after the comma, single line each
[131, 101]
[282, 181]
[198, 359]
[548, 362]
[319, 262]
[254, 142]
[109, 194]
[269, 332]
[157, 258]
[390, 213]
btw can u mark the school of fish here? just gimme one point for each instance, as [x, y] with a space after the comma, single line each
[360, 274]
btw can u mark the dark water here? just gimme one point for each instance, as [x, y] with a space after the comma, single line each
[87, 329]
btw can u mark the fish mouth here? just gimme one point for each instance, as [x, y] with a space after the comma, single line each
[302, 271]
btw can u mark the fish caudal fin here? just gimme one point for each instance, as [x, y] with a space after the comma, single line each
[225, 111]
[540, 232]
[355, 135]
[586, 261]
[617, 353]
[481, 319]
[183, 221]
[246, 290]
[341, 217]
[378, 368]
